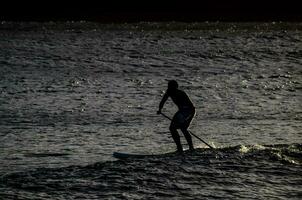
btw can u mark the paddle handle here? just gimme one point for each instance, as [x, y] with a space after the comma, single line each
[189, 132]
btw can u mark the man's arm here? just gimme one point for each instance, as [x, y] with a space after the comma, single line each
[162, 102]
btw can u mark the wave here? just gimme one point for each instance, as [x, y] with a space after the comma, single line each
[169, 175]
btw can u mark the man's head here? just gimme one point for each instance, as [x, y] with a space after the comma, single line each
[172, 85]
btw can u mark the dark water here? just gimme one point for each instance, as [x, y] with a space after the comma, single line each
[73, 93]
[240, 172]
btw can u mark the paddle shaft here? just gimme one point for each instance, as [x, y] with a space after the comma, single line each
[190, 132]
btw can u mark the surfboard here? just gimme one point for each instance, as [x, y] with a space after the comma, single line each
[121, 155]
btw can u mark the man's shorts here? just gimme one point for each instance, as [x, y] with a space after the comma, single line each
[183, 118]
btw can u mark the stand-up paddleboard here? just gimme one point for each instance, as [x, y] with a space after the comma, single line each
[121, 155]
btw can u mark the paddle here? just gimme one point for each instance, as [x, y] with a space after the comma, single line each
[189, 132]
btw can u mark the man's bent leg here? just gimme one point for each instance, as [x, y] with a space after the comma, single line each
[176, 138]
[188, 138]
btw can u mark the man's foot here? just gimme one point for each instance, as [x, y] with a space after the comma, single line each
[179, 151]
[191, 149]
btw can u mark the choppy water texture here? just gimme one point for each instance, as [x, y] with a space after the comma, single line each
[73, 93]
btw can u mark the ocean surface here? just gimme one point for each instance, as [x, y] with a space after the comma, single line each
[72, 93]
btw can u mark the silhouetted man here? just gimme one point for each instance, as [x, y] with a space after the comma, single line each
[184, 115]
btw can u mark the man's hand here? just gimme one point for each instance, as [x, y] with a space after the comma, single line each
[159, 112]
